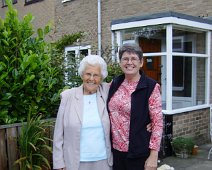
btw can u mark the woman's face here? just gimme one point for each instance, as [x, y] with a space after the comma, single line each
[91, 78]
[130, 64]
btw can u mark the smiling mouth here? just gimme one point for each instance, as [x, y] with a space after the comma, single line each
[91, 83]
[129, 67]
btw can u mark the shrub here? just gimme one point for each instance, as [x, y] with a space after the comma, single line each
[28, 81]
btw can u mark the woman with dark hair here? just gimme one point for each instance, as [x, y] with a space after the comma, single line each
[134, 101]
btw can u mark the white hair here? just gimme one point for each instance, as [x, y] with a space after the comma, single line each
[93, 60]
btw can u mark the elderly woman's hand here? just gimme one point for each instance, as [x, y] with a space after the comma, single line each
[149, 127]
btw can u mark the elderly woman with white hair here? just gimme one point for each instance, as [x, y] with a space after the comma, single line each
[82, 130]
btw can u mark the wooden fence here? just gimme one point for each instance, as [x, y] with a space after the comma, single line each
[9, 151]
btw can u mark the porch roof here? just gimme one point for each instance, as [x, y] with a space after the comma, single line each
[161, 15]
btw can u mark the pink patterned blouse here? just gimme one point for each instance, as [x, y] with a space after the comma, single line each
[120, 106]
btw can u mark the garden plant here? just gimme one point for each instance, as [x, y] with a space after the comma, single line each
[29, 81]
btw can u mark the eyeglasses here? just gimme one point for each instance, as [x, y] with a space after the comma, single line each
[133, 60]
[89, 75]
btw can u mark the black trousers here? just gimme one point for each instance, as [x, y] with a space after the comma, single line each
[121, 162]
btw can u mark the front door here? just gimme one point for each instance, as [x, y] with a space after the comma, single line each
[152, 65]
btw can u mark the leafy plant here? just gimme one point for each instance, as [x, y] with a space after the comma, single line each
[181, 144]
[28, 79]
[34, 145]
[113, 71]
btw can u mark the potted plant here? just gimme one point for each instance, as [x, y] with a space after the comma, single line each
[182, 146]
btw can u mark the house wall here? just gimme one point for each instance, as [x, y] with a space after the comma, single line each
[81, 15]
[195, 124]
[43, 12]
[77, 15]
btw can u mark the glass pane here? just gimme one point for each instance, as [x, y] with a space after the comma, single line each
[182, 69]
[151, 39]
[188, 81]
[70, 58]
[84, 52]
[189, 41]
[71, 70]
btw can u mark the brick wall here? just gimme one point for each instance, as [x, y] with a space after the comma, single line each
[81, 15]
[193, 124]
[43, 12]
[77, 15]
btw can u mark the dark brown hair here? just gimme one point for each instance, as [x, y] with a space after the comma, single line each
[131, 48]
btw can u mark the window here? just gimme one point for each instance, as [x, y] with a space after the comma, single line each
[28, 2]
[189, 70]
[4, 2]
[73, 56]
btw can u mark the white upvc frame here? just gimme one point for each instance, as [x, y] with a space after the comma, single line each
[77, 49]
[169, 35]
[208, 53]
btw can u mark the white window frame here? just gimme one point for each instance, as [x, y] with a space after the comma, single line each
[76, 50]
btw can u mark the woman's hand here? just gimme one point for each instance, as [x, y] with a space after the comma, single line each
[152, 161]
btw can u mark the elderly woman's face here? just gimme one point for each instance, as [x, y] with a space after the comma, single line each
[91, 78]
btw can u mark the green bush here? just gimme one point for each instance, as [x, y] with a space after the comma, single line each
[32, 70]
[28, 81]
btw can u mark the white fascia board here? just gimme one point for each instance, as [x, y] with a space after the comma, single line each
[165, 20]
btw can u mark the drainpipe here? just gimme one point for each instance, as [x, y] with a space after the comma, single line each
[99, 29]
